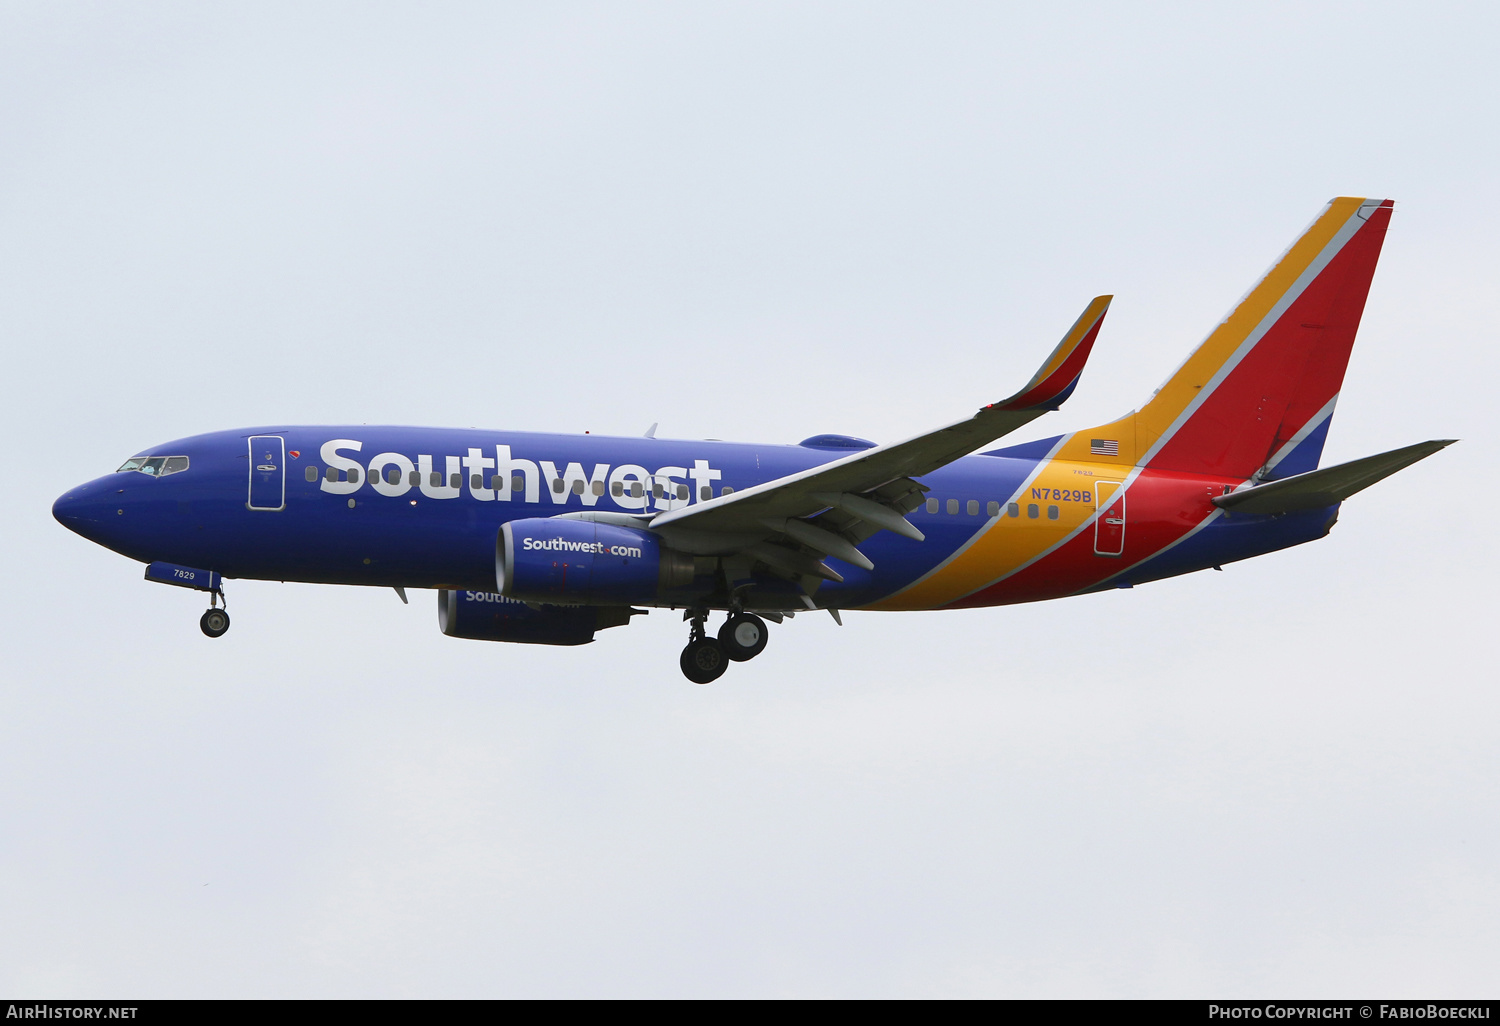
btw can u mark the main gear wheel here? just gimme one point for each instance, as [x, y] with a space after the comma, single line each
[704, 661]
[743, 636]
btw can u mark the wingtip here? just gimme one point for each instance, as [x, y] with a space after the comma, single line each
[1059, 375]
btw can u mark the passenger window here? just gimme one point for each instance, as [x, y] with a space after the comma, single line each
[577, 487]
[598, 488]
[311, 473]
[416, 478]
[973, 507]
[993, 509]
[331, 474]
[682, 491]
[455, 480]
[726, 490]
[392, 475]
[1012, 509]
[932, 505]
[435, 479]
[656, 489]
[476, 481]
[617, 489]
[175, 465]
[1032, 511]
[636, 491]
[1051, 512]
[353, 477]
[952, 506]
[705, 493]
[557, 486]
[518, 484]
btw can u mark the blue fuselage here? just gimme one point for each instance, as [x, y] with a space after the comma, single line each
[425, 505]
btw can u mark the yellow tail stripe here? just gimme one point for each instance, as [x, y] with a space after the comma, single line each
[1138, 432]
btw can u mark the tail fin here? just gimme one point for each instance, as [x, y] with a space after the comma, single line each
[1255, 398]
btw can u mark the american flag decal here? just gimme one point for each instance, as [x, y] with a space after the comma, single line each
[1104, 447]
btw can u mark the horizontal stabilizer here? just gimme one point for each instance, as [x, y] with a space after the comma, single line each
[1320, 488]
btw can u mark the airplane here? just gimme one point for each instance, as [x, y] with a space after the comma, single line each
[548, 539]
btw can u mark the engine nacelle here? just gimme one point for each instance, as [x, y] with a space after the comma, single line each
[485, 616]
[582, 562]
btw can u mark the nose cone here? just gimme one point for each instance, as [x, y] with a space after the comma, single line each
[89, 510]
[71, 511]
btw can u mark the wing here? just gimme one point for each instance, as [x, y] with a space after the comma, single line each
[872, 489]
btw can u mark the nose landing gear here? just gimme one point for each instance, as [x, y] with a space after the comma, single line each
[743, 637]
[215, 621]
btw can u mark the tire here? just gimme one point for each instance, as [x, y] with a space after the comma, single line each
[743, 636]
[214, 623]
[704, 662]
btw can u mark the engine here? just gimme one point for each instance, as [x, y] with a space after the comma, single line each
[582, 562]
[485, 616]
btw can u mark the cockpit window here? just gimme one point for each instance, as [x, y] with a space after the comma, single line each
[155, 466]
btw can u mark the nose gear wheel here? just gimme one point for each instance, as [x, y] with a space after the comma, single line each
[214, 622]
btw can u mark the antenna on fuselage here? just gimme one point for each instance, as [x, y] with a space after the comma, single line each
[651, 431]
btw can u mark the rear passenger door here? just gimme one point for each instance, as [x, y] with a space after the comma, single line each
[1109, 529]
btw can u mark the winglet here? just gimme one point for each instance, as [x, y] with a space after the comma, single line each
[1059, 375]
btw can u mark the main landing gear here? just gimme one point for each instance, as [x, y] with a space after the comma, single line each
[215, 622]
[705, 659]
[743, 637]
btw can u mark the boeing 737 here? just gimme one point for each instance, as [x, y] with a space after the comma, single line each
[548, 539]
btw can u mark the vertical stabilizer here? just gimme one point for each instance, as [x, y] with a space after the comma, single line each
[1255, 398]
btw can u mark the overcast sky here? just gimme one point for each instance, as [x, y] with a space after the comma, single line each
[759, 222]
